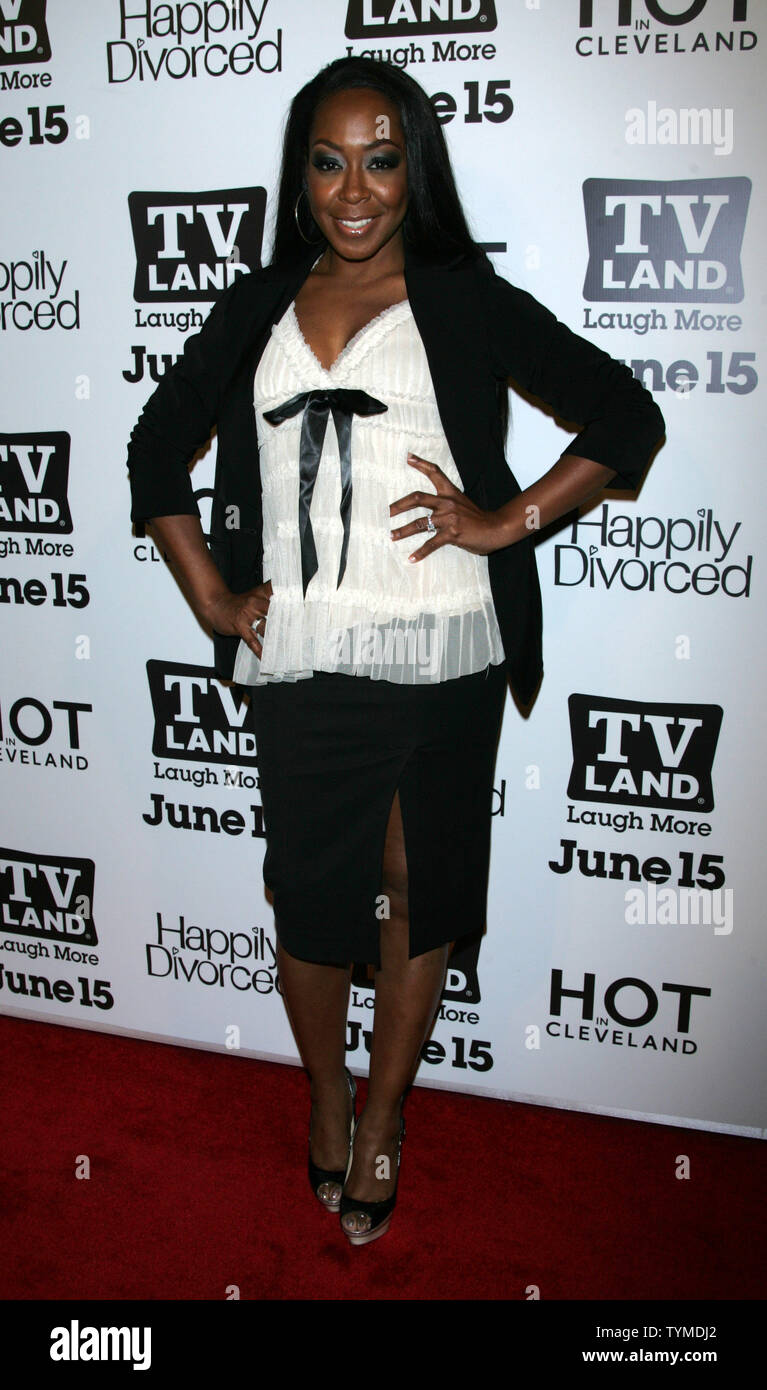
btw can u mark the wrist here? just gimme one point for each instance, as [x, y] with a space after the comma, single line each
[210, 604]
[509, 524]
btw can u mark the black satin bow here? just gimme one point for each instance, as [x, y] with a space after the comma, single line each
[343, 403]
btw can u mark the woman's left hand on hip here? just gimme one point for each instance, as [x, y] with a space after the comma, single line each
[458, 521]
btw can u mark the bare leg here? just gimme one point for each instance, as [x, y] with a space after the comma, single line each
[317, 1001]
[407, 997]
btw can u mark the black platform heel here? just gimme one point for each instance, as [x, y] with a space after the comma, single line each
[325, 1181]
[378, 1214]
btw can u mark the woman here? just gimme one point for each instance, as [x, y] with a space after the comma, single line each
[374, 582]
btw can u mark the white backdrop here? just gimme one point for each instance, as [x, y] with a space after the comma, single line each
[615, 169]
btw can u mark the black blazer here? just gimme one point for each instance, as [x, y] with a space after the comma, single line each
[477, 330]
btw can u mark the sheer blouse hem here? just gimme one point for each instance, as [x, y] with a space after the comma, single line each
[434, 648]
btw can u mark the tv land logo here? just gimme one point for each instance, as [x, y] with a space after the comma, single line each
[372, 19]
[23, 32]
[632, 753]
[197, 717]
[603, 24]
[47, 896]
[461, 984]
[653, 241]
[191, 246]
[34, 476]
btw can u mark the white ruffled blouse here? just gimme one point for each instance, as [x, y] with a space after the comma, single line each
[388, 619]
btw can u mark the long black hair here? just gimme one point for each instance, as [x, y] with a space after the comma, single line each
[435, 224]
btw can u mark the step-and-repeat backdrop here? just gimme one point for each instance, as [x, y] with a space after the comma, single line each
[610, 156]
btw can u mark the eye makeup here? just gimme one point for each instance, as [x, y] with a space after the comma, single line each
[328, 163]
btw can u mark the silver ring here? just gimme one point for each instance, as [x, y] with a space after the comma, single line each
[429, 523]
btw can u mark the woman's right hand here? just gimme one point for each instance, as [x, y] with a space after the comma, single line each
[233, 615]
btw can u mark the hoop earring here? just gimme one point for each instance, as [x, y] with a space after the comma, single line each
[310, 242]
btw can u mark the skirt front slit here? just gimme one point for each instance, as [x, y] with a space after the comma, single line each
[332, 751]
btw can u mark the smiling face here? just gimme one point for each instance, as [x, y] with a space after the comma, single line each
[356, 173]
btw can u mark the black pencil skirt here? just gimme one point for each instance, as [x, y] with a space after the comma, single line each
[332, 750]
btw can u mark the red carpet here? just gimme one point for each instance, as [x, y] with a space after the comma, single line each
[198, 1182]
